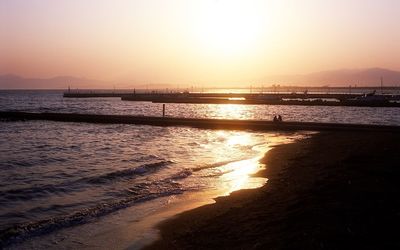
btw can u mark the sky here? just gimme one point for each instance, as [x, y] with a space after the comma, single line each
[215, 42]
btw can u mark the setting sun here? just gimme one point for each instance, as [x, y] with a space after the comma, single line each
[230, 27]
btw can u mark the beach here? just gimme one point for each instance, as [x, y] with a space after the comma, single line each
[335, 190]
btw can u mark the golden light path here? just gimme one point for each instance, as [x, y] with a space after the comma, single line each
[238, 175]
[230, 111]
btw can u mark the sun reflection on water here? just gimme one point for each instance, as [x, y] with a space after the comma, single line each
[231, 111]
[242, 139]
[239, 173]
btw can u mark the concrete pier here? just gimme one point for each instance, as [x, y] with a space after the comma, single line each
[154, 96]
[93, 95]
[303, 99]
[258, 125]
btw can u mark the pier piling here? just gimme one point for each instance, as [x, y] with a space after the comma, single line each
[163, 110]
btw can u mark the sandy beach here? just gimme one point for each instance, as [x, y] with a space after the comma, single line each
[334, 190]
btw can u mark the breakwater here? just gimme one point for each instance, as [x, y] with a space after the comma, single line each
[152, 96]
[257, 125]
[93, 94]
[302, 99]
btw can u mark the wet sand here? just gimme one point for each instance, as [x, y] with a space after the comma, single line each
[335, 190]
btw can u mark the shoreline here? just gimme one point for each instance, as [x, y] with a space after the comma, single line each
[333, 190]
[122, 229]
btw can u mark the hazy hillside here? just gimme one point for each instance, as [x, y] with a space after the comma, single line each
[60, 82]
[344, 77]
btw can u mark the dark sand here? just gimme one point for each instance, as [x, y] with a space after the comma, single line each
[336, 190]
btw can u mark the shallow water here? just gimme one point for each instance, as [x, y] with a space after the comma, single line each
[54, 175]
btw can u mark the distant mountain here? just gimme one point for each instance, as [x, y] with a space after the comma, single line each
[59, 82]
[343, 77]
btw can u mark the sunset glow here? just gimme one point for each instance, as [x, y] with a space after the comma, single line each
[212, 43]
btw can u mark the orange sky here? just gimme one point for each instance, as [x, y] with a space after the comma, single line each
[195, 41]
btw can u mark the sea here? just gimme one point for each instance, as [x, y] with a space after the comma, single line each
[79, 185]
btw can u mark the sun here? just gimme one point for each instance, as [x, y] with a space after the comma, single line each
[230, 27]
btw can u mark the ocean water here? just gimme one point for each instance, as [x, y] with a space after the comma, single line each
[60, 179]
[52, 101]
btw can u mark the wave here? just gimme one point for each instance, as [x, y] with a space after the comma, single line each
[126, 197]
[32, 192]
[39, 191]
[217, 164]
[137, 193]
[127, 173]
[217, 174]
[181, 175]
[27, 162]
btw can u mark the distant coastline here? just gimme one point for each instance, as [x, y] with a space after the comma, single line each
[369, 77]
